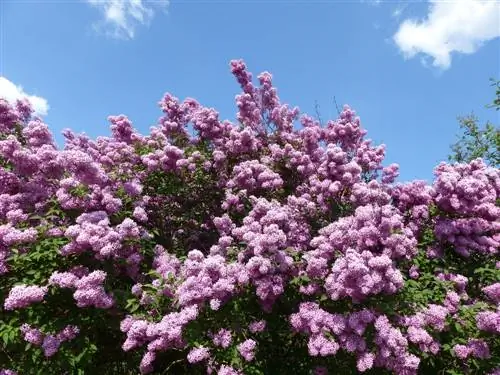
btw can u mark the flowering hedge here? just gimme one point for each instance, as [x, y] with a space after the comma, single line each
[261, 247]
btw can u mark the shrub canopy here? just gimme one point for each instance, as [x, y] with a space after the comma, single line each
[272, 245]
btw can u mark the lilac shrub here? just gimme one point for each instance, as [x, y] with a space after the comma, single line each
[268, 245]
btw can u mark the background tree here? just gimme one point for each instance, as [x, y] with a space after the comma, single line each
[476, 141]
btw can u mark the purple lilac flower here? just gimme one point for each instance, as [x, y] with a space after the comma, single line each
[222, 338]
[493, 292]
[50, 345]
[198, 354]
[228, 370]
[247, 349]
[22, 296]
[257, 326]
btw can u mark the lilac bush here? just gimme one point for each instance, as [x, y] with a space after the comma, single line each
[269, 245]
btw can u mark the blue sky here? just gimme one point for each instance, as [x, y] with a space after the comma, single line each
[407, 68]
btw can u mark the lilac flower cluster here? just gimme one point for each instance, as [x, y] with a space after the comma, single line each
[493, 292]
[21, 296]
[251, 175]
[209, 279]
[470, 190]
[89, 289]
[475, 348]
[49, 343]
[489, 321]
[222, 338]
[160, 336]
[92, 231]
[247, 349]
[358, 275]
[332, 332]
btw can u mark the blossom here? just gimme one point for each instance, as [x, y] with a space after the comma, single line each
[22, 296]
[247, 349]
[257, 326]
[222, 338]
[198, 354]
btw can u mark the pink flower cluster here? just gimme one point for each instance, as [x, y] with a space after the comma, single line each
[470, 190]
[21, 296]
[475, 348]
[89, 289]
[251, 175]
[48, 342]
[160, 336]
[358, 275]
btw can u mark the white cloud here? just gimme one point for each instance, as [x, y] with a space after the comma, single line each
[121, 17]
[460, 26]
[11, 93]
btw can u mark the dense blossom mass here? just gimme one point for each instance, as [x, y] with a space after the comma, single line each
[275, 244]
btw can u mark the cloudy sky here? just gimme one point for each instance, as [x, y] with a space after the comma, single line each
[408, 68]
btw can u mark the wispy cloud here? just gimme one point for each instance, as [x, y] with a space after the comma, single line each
[458, 26]
[120, 18]
[372, 2]
[12, 92]
[398, 11]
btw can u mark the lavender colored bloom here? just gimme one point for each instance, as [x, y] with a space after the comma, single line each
[90, 292]
[198, 354]
[146, 365]
[137, 290]
[493, 292]
[140, 214]
[215, 304]
[50, 345]
[462, 351]
[488, 321]
[257, 326]
[63, 279]
[319, 345]
[22, 296]
[479, 348]
[414, 274]
[228, 370]
[222, 338]
[68, 333]
[359, 275]
[365, 362]
[247, 349]
[32, 335]
[452, 301]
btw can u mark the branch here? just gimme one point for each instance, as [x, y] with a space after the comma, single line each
[336, 105]
[318, 114]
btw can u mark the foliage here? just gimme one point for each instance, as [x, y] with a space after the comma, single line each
[476, 142]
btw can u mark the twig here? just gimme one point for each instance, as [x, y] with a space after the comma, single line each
[318, 114]
[336, 105]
